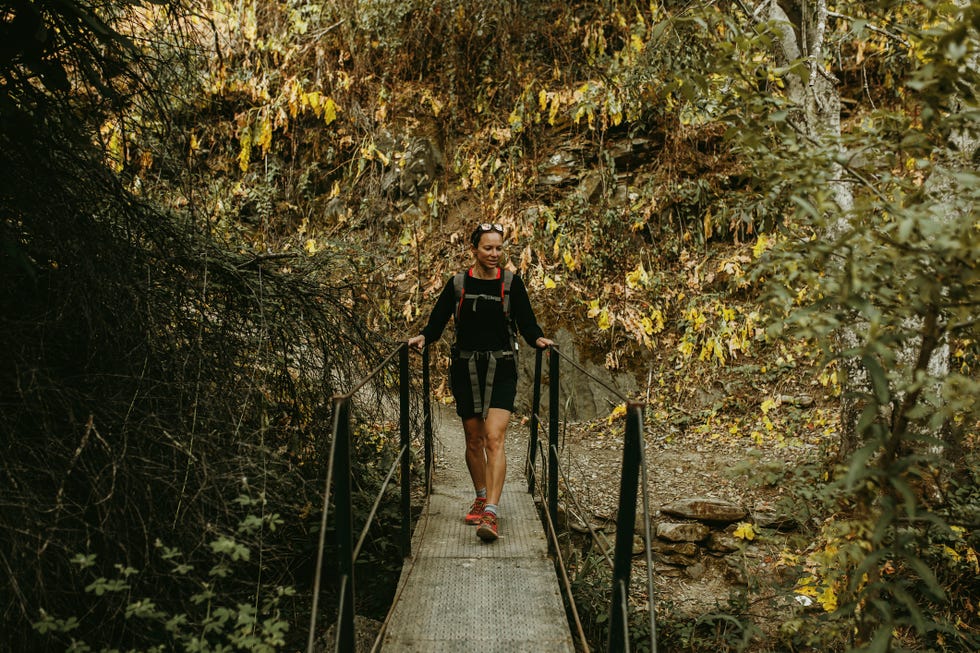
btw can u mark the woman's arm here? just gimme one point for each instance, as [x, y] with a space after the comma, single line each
[527, 324]
[438, 318]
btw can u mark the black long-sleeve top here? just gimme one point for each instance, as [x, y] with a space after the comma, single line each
[481, 325]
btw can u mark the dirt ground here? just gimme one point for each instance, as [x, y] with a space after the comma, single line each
[681, 467]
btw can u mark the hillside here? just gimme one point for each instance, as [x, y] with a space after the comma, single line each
[759, 219]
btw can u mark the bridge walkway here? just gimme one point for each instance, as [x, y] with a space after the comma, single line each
[457, 593]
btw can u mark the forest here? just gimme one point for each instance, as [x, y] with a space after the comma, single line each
[213, 213]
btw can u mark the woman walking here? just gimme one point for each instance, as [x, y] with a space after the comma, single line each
[487, 303]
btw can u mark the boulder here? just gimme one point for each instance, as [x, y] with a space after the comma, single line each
[682, 532]
[722, 543]
[705, 509]
[771, 519]
[689, 549]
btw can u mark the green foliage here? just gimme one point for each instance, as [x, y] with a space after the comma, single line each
[215, 619]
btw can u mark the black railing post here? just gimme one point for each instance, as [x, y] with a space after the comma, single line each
[532, 444]
[553, 415]
[625, 527]
[345, 527]
[427, 419]
[406, 504]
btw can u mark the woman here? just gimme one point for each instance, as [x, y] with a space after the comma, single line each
[486, 303]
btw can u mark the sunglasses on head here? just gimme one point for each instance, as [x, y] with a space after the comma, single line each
[487, 226]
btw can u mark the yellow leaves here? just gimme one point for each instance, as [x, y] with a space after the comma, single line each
[657, 317]
[971, 557]
[299, 101]
[828, 599]
[636, 43]
[329, 111]
[593, 308]
[696, 318]
[570, 261]
[768, 405]
[552, 223]
[312, 100]
[245, 148]
[825, 594]
[711, 348]
[951, 553]
[371, 152]
[638, 278]
[542, 100]
[616, 413]
[553, 113]
[600, 313]
[744, 531]
[310, 246]
[604, 321]
[549, 283]
[264, 138]
[686, 347]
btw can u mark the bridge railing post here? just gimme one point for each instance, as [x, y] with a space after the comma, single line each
[406, 466]
[553, 422]
[625, 527]
[344, 527]
[532, 443]
[427, 419]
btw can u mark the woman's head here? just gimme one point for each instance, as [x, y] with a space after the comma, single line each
[488, 245]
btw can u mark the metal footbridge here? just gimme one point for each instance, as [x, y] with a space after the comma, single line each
[456, 592]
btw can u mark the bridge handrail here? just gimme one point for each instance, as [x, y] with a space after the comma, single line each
[338, 473]
[553, 538]
[633, 462]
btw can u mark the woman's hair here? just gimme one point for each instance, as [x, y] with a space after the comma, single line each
[485, 228]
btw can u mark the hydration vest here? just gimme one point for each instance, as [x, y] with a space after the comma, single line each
[506, 279]
[481, 401]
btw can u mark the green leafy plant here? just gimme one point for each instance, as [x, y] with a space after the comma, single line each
[217, 620]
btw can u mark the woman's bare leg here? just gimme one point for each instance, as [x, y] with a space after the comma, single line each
[495, 427]
[476, 458]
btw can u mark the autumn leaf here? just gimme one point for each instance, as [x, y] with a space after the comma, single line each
[594, 308]
[638, 278]
[569, 259]
[745, 531]
[329, 111]
[264, 139]
[616, 413]
[828, 599]
[604, 321]
[245, 153]
[549, 283]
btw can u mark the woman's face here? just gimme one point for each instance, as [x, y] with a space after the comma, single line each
[489, 250]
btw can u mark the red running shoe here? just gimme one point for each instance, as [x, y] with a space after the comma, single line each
[475, 514]
[488, 527]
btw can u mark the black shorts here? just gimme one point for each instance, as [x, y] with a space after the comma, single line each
[504, 384]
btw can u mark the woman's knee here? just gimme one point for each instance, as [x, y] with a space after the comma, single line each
[495, 439]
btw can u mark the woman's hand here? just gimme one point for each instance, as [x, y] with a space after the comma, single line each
[543, 343]
[417, 341]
